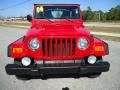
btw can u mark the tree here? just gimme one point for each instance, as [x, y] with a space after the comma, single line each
[114, 13]
[90, 15]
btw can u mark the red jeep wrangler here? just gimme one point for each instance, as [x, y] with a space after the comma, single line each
[57, 44]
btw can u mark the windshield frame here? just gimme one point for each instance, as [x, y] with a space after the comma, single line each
[72, 5]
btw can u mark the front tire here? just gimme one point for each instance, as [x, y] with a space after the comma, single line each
[94, 75]
[18, 62]
[19, 77]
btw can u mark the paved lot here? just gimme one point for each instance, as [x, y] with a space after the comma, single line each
[107, 81]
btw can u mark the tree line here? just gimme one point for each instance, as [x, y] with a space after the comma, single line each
[112, 15]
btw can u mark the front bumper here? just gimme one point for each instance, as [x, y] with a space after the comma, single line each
[57, 69]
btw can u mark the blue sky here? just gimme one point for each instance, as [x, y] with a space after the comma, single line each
[27, 7]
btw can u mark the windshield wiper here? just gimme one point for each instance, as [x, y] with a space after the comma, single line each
[46, 19]
[67, 19]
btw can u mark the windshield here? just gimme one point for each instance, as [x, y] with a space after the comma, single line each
[57, 12]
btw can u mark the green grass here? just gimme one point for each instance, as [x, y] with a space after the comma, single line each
[15, 23]
[17, 26]
[105, 29]
[117, 39]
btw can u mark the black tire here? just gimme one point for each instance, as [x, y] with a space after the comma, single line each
[94, 75]
[99, 59]
[17, 62]
[23, 77]
[43, 77]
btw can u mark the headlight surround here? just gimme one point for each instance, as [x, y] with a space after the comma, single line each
[34, 44]
[83, 43]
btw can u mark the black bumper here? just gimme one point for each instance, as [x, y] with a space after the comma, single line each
[39, 70]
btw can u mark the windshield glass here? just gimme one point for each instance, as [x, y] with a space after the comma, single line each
[57, 12]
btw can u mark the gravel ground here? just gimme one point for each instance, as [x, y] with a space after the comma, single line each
[107, 81]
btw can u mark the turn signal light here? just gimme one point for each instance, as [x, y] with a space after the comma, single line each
[99, 48]
[17, 50]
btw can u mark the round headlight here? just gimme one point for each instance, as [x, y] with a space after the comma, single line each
[26, 61]
[83, 43]
[34, 44]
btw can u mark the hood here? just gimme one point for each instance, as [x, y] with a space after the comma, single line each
[57, 28]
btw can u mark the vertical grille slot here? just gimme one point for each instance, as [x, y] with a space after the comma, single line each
[73, 46]
[48, 49]
[58, 47]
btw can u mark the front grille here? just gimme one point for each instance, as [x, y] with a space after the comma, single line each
[58, 47]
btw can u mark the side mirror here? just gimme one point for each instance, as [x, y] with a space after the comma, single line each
[29, 18]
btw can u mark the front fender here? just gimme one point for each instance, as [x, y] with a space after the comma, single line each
[16, 49]
[100, 47]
